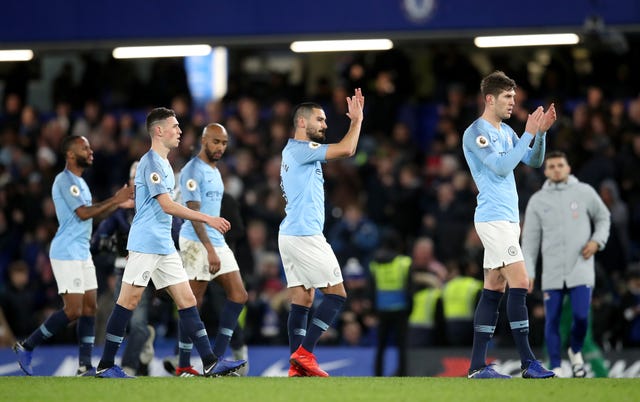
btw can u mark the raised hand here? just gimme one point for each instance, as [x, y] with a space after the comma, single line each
[534, 121]
[355, 105]
[548, 118]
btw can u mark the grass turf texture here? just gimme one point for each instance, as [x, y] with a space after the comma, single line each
[366, 389]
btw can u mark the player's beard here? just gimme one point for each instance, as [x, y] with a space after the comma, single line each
[83, 162]
[212, 156]
[316, 135]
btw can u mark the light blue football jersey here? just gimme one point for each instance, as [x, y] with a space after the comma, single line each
[302, 184]
[202, 183]
[492, 154]
[151, 227]
[71, 241]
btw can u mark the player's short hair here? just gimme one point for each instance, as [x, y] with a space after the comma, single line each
[158, 114]
[67, 142]
[556, 154]
[304, 110]
[496, 83]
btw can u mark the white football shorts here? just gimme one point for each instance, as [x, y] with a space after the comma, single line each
[194, 259]
[74, 276]
[309, 261]
[501, 241]
[163, 270]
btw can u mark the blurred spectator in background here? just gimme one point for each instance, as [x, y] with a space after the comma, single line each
[423, 259]
[19, 299]
[460, 295]
[390, 283]
[354, 236]
[630, 307]
[426, 322]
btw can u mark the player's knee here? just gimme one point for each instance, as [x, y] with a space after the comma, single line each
[73, 312]
[186, 301]
[239, 296]
[520, 284]
[89, 311]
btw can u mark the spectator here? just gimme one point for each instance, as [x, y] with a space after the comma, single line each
[390, 276]
[354, 236]
[460, 295]
[630, 307]
[426, 322]
[423, 259]
[19, 300]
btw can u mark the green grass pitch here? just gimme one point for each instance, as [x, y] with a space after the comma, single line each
[366, 389]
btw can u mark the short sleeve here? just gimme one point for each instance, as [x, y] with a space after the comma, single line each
[190, 180]
[71, 192]
[310, 152]
[155, 179]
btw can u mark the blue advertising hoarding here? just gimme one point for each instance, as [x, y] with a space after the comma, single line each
[81, 21]
[272, 361]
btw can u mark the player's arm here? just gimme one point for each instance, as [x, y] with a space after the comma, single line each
[201, 232]
[535, 156]
[601, 218]
[500, 164]
[347, 146]
[531, 240]
[122, 197]
[173, 208]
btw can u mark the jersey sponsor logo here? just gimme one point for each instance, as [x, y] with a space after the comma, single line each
[214, 194]
[313, 145]
[155, 178]
[74, 190]
[191, 185]
[482, 141]
[512, 250]
[573, 205]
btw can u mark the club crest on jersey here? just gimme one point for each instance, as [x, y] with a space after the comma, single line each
[74, 190]
[191, 185]
[482, 141]
[155, 178]
[313, 145]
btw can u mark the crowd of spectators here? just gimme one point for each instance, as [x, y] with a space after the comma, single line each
[408, 177]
